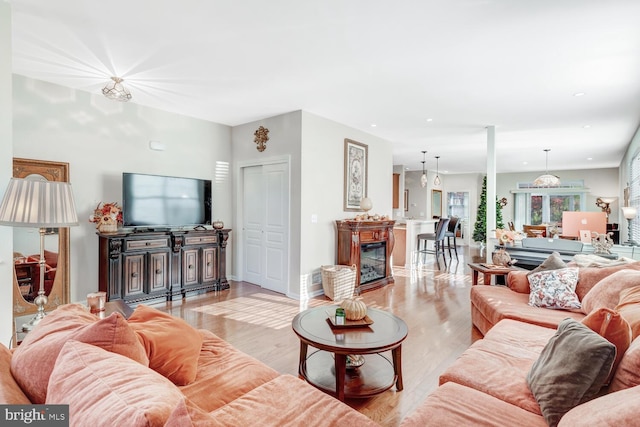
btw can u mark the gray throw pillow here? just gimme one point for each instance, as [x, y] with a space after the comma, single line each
[553, 262]
[571, 369]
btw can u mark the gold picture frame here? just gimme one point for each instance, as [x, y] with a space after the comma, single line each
[355, 174]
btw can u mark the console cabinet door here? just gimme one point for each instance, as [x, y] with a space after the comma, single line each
[209, 264]
[190, 267]
[133, 275]
[158, 271]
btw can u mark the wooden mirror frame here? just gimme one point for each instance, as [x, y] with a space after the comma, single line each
[52, 171]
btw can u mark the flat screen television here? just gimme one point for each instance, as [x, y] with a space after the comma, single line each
[165, 201]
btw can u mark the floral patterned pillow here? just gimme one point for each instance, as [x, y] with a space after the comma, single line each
[554, 289]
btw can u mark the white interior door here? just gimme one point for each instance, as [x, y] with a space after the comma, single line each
[266, 226]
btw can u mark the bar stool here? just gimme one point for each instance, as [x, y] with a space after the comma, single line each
[438, 241]
[452, 231]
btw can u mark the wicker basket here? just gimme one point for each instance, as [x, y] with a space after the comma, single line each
[338, 281]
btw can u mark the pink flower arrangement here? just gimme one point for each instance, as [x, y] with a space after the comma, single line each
[505, 236]
[107, 214]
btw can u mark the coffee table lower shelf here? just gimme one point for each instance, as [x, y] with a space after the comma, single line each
[374, 377]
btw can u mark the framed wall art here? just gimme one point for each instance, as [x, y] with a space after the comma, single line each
[355, 174]
[436, 203]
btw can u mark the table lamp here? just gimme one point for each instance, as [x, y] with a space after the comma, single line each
[629, 213]
[42, 204]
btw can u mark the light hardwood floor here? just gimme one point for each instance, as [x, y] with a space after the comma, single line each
[434, 304]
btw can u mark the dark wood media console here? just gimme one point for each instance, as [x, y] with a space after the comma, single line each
[141, 266]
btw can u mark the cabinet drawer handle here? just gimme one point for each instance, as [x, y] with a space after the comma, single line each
[190, 267]
[147, 243]
[134, 274]
[158, 271]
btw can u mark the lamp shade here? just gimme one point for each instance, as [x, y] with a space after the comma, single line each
[629, 212]
[38, 203]
[366, 204]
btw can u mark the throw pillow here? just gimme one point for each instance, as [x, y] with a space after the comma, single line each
[554, 289]
[571, 369]
[606, 293]
[34, 359]
[553, 262]
[629, 308]
[172, 345]
[107, 389]
[613, 327]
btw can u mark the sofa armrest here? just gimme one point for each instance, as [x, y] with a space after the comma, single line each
[517, 281]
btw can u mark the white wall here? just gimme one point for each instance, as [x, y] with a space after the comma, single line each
[100, 139]
[6, 154]
[322, 191]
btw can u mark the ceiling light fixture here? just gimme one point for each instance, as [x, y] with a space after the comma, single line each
[546, 179]
[437, 181]
[423, 178]
[116, 91]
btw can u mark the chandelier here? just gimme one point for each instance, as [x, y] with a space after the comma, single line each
[546, 179]
[116, 91]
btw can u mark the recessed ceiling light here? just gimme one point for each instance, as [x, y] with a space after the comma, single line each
[589, 158]
[373, 125]
[586, 126]
[525, 163]
[579, 94]
[429, 120]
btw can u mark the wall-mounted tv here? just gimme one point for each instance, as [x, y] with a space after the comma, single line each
[167, 201]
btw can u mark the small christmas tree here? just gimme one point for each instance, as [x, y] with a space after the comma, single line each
[479, 231]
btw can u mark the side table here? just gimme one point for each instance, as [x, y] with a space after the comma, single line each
[489, 270]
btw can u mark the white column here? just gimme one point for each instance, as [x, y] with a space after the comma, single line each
[491, 186]
[6, 156]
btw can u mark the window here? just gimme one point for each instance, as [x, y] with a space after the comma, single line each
[536, 206]
[634, 194]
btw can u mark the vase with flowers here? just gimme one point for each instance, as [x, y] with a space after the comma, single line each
[107, 216]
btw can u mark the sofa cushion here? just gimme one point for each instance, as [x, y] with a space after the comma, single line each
[554, 289]
[497, 365]
[628, 373]
[217, 381]
[553, 262]
[33, 360]
[283, 396]
[495, 303]
[588, 277]
[454, 405]
[613, 409]
[109, 389]
[613, 327]
[629, 308]
[606, 293]
[172, 345]
[10, 392]
[571, 369]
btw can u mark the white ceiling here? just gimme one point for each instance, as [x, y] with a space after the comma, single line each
[465, 64]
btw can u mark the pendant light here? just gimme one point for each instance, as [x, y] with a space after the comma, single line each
[423, 178]
[546, 179]
[116, 91]
[437, 181]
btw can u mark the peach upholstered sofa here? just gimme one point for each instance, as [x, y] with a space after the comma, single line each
[153, 370]
[539, 366]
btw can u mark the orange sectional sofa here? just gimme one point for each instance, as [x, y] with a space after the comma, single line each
[153, 370]
[488, 385]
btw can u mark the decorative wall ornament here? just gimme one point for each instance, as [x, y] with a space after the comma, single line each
[261, 138]
[503, 202]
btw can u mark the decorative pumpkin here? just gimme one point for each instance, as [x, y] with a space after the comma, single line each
[354, 308]
[218, 225]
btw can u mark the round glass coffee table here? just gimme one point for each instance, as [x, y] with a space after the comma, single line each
[326, 367]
